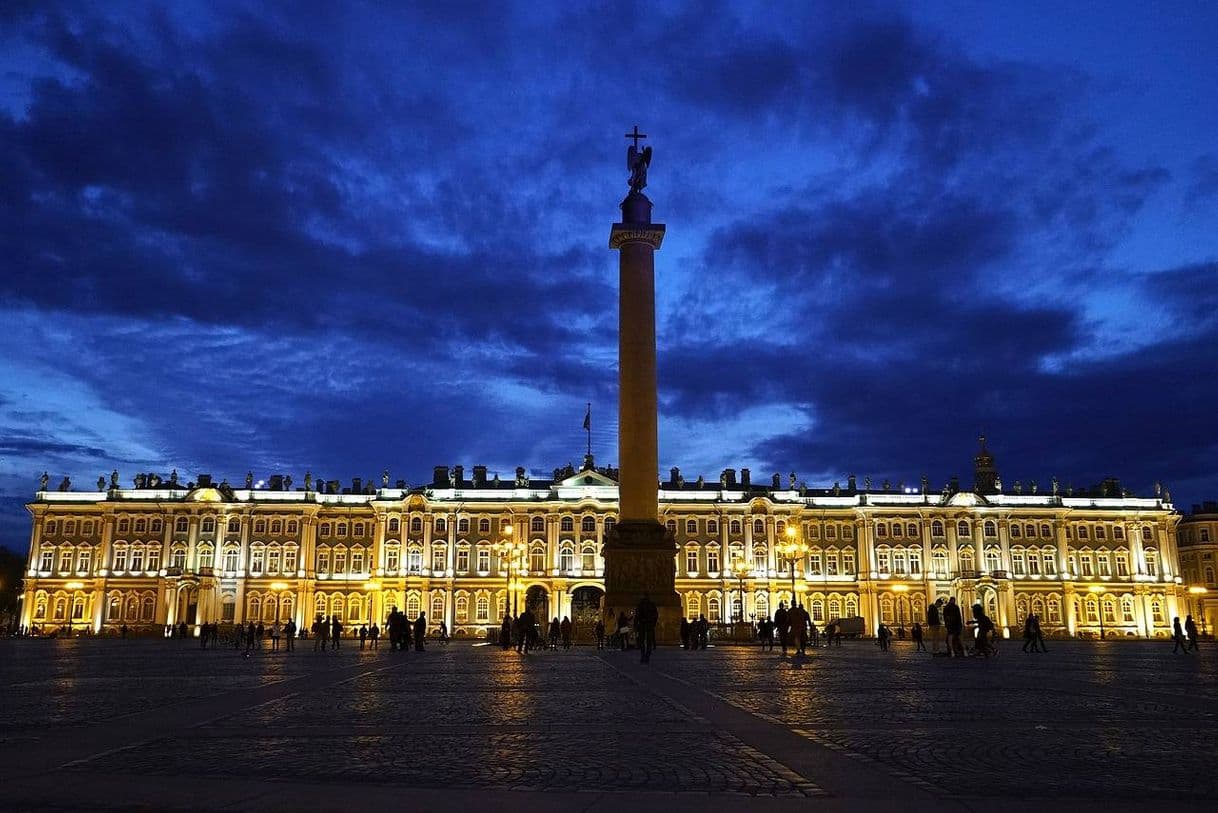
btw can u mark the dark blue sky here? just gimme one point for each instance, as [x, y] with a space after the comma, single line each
[351, 238]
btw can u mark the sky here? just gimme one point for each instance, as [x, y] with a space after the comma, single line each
[343, 238]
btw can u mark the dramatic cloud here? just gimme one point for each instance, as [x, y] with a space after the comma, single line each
[234, 237]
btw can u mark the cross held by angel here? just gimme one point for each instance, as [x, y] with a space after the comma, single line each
[637, 161]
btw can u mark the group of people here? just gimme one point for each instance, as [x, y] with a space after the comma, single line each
[253, 635]
[695, 634]
[796, 630]
[522, 631]
[1184, 640]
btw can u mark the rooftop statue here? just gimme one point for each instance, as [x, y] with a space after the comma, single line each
[637, 161]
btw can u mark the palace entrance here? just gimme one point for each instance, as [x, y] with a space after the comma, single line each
[537, 599]
[585, 611]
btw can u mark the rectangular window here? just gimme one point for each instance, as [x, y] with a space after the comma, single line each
[289, 561]
[462, 561]
[712, 561]
[340, 561]
[230, 560]
[1050, 560]
[272, 561]
[831, 564]
[357, 561]
[882, 561]
[1033, 565]
[154, 559]
[1105, 566]
[691, 562]
[256, 561]
[323, 561]
[848, 563]
[915, 564]
[1122, 566]
[65, 562]
[439, 562]
[84, 561]
[414, 560]
[392, 557]
[48, 561]
[1085, 565]
[137, 559]
[484, 560]
[120, 559]
[814, 564]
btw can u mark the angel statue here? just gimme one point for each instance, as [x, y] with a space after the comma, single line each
[637, 162]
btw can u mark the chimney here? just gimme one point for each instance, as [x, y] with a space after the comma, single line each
[204, 481]
[745, 480]
[439, 477]
[674, 477]
[776, 482]
[729, 477]
[357, 485]
[852, 483]
[479, 476]
[459, 474]
[276, 482]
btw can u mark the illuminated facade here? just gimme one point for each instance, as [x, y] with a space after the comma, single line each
[1199, 562]
[461, 550]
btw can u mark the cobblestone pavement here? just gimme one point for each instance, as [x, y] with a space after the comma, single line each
[1085, 721]
[1118, 721]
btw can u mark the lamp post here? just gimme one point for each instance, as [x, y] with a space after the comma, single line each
[792, 551]
[742, 570]
[1097, 589]
[74, 587]
[1197, 593]
[509, 551]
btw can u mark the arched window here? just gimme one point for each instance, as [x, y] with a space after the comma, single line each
[734, 527]
[181, 525]
[588, 559]
[355, 609]
[671, 526]
[939, 557]
[693, 605]
[416, 525]
[395, 525]
[1147, 534]
[1156, 610]
[936, 528]
[209, 525]
[818, 610]
[897, 530]
[484, 609]
[484, 526]
[780, 529]
[441, 526]
[147, 608]
[567, 524]
[1045, 530]
[140, 526]
[412, 605]
[260, 526]
[114, 609]
[293, 526]
[691, 526]
[1118, 532]
[277, 526]
[437, 607]
[462, 609]
[713, 614]
[835, 607]
[588, 525]
[1127, 609]
[254, 606]
[759, 527]
[881, 530]
[991, 528]
[566, 558]
[962, 529]
[1016, 531]
[712, 526]
[993, 560]
[537, 525]
[537, 558]
[761, 606]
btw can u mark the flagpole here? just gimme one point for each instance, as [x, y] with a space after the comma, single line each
[588, 426]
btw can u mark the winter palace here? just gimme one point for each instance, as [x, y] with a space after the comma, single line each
[466, 549]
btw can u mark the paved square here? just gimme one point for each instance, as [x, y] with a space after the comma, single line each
[122, 723]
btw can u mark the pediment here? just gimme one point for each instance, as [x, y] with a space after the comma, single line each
[588, 477]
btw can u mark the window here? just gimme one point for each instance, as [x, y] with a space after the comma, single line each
[120, 559]
[691, 526]
[395, 525]
[566, 559]
[340, 560]
[915, 562]
[357, 560]
[65, 561]
[537, 559]
[289, 560]
[392, 558]
[712, 526]
[357, 530]
[761, 561]
[257, 560]
[588, 525]
[1033, 563]
[340, 530]
[137, 558]
[991, 528]
[484, 609]
[567, 525]
[326, 529]
[463, 560]
[962, 529]
[734, 527]
[712, 559]
[439, 558]
[609, 523]
[260, 526]
[897, 530]
[124, 525]
[1118, 532]
[416, 525]
[848, 562]
[48, 561]
[712, 610]
[1127, 609]
[140, 526]
[277, 526]
[1049, 558]
[412, 605]
[831, 563]
[230, 560]
[758, 527]
[323, 560]
[293, 526]
[52, 527]
[1205, 535]
[273, 560]
[882, 560]
[1147, 534]
[537, 525]
[936, 528]
[1156, 610]
[441, 526]
[437, 607]
[1085, 564]
[1101, 532]
[114, 611]
[1103, 563]
[831, 532]
[881, 529]
[484, 560]
[1044, 530]
[1152, 562]
[1083, 533]
[588, 555]
[939, 560]
[209, 525]
[234, 525]
[462, 609]
[1015, 531]
[671, 526]
[818, 610]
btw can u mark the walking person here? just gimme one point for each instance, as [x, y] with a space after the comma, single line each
[336, 632]
[505, 632]
[1036, 632]
[363, 636]
[600, 633]
[420, 631]
[984, 629]
[276, 633]
[797, 620]
[565, 630]
[375, 635]
[319, 635]
[646, 616]
[953, 623]
[623, 630]
[251, 634]
[916, 632]
[1190, 630]
[782, 625]
[685, 631]
[289, 634]
[555, 631]
[1029, 634]
[1181, 643]
[934, 621]
[443, 633]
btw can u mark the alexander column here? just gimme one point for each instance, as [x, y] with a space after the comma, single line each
[639, 553]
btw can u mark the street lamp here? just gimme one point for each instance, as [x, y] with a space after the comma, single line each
[792, 551]
[1097, 589]
[510, 550]
[1198, 592]
[740, 566]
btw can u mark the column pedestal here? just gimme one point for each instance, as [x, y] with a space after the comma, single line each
[639, 559]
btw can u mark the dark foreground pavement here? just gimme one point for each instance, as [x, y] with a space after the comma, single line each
[162, 725]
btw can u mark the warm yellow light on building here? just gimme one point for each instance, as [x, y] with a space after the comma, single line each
[1198, 591]
[370, 585]
[279, 586]
[900, 588]
[74, 585]
[1097, 588]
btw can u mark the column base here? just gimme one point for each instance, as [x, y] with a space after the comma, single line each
[639, 559]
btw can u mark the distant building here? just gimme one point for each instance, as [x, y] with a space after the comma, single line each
[1198, 554]
[165, 553]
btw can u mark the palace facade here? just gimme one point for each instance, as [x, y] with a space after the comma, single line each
[1198, 563]
[465, 550]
